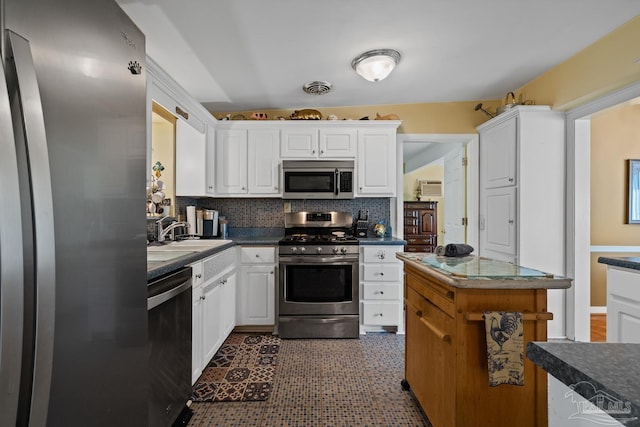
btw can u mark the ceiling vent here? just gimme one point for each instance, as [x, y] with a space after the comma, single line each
[317, 88]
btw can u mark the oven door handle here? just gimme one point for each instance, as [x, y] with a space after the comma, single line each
[337, 182]
[312, 259]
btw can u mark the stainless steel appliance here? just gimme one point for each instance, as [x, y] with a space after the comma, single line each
[318, 179]
[210, 223]
[73, 294]
[318, 280]
[169, 304]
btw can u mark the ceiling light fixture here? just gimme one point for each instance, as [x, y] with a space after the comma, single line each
[376, 65]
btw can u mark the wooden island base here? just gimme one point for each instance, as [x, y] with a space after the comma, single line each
[446, 351]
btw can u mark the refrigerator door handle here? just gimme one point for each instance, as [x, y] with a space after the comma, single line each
[11, 266]
[19, 53]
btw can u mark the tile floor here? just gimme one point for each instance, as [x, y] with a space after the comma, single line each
[327, 383]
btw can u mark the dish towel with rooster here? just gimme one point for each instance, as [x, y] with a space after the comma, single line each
[505, 347]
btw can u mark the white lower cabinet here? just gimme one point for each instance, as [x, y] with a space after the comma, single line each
[623, 305]
[213, 314]
[256, 287]
[381, 285]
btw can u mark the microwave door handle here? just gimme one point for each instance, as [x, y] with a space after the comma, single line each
[337, 182]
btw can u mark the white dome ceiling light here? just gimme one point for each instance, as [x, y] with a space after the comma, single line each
[376, 65]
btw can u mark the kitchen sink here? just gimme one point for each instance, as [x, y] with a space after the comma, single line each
[165, 254]
[205, 243]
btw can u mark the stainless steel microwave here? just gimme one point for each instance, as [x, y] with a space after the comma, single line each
[317, 179]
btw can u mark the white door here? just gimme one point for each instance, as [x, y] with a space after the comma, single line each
[211, 333]
[258, 295]
[500, 221]
[454, 197]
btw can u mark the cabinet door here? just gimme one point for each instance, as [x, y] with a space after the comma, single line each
[338, 142]
[498, 151]
[231, 161]
[500, 220]
[263, 158]
[228, 305]
[211, 161]
[190, 160]
[299, 143]
[211, 331]
[376, 163]
[257, 295]
[428, 223]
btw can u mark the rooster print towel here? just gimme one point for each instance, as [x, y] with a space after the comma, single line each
[505, 347]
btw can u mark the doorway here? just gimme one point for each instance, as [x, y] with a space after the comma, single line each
[578, 231]
[420, 150]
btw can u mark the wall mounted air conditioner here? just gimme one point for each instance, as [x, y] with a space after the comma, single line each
[431, 188]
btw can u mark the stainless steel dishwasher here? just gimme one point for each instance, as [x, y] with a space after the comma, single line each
[169, 307]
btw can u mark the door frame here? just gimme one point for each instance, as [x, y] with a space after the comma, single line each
[578, 192]
[471, 142]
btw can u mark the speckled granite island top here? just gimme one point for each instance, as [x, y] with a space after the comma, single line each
[483, 273]
[632, 263]
[610, 368]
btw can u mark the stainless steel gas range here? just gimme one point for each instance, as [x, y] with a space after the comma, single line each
[318, 280]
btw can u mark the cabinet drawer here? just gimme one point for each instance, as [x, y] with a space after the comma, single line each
[380, 313]
[421, 240]
[382, 273]
[419, 248]
[380, 254]
[381, 291]
[257, 255]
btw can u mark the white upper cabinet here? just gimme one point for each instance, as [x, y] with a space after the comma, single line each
[247, 162]
[190, 160]
[249, 154]
[376, 162]
[231, 161]
[263, 167]
[313, 143]
[499, 161]
[338, 142]
[299, 143]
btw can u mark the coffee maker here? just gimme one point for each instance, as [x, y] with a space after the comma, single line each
[209, 223]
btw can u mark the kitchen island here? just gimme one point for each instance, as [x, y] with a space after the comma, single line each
[446, 347]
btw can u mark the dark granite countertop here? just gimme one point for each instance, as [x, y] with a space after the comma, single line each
[625, 262]
[386, 240]
[610, 368]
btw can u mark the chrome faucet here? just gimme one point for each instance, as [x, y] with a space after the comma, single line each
[162, 232]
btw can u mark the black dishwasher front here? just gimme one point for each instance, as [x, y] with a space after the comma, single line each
[169, 305]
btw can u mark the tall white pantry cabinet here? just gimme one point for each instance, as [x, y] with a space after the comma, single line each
[522, 194]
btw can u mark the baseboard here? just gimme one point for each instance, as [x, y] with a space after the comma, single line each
[260, 329]
[598, 309]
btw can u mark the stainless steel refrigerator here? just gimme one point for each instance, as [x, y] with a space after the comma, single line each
[73, 297]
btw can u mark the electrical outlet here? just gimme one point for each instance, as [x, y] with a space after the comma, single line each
[287, 207]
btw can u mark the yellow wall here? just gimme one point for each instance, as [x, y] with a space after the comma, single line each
[449, 117]
[163, 150]
[615, 137]
[433, 172]
[606, 65]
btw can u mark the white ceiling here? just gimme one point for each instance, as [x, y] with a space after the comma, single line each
[234, 55]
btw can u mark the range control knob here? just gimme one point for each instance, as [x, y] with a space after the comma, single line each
[294, 249]
[318, 250]
[303, 250]
[343, 250]
[335, 250]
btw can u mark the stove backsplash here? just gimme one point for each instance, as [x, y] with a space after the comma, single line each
[269, 213]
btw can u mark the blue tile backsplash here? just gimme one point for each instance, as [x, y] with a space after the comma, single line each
[250, 212]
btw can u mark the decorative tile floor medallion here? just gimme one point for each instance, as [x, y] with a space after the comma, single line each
[241, 371]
